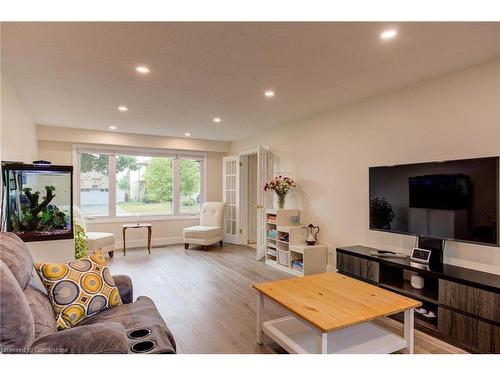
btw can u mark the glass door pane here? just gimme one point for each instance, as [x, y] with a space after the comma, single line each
[231, 176]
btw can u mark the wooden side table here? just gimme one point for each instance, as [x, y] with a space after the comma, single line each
[138, 225]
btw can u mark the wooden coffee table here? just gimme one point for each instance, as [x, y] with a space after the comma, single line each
[137, 225]
[331, 313]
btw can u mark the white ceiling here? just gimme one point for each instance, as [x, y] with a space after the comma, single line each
[76, 74]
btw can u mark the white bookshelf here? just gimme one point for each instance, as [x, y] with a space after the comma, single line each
[285, 244]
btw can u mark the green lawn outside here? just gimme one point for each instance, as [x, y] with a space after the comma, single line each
[193, 209]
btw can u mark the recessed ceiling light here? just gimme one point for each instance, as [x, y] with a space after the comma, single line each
[269, 93]
[142, 69]
[388, 34]
[112, 127]
[217, 119]
[187, 134]
[122, 108]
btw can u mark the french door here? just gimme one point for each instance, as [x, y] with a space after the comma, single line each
[231, 196]
[263, 202]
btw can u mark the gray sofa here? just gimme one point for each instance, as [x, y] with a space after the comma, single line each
[27, 320]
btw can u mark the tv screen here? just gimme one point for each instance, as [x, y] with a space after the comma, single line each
[454, 200]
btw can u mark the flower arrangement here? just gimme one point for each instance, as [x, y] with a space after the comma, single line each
[281, 186]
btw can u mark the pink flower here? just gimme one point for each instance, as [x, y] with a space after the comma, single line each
[280, 185]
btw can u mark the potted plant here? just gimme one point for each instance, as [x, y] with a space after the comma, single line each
[281, 186]
[81, 249]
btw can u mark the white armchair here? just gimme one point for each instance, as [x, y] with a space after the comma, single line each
[95, 240]
[210, 229]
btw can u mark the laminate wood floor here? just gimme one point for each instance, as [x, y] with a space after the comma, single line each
[207, 300]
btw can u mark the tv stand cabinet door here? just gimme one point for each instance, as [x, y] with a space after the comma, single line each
[474, 333]
[359, 267]
[471, 300]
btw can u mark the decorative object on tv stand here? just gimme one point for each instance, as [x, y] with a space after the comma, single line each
[417, 281]
[312, 234]
[419, 257]
[281, 186]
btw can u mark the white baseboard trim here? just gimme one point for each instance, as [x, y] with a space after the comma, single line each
[331, 268]
[155, 242]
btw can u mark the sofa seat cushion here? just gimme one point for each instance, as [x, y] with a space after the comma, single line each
[202, 232]
[97, 240]
[79, 288]
[140, 314]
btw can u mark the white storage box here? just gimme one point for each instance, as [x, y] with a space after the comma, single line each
[284, 258]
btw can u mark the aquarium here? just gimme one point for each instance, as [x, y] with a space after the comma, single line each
[38, 201]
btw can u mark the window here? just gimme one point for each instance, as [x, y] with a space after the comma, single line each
[142, 184]
[189, 186]
[94, 184]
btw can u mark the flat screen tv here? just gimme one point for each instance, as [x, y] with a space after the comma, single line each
[451, 200]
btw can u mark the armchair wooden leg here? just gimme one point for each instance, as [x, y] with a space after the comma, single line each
[186, 246]
[111, 254]
[221, 243]
[205, 247]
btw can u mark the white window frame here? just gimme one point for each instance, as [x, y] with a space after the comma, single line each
[113, 151]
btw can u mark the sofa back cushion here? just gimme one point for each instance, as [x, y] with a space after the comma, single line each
[41, 311]
[212, 214]
[17, 330]
[16, 256]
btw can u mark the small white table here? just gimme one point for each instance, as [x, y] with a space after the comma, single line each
[332, 313]
[149, 226]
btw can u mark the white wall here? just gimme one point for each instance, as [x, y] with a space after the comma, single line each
[18, 131]
[450, 117]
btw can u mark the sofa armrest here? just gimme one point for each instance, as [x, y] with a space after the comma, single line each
[109, 337]
[125, 287]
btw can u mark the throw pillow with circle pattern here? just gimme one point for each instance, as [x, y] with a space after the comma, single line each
[79, 289]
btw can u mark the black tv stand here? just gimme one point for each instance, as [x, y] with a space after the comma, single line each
[466, 302]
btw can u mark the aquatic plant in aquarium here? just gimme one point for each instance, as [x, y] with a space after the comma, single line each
[39, 201]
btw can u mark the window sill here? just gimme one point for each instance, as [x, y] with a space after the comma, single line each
[133, 219]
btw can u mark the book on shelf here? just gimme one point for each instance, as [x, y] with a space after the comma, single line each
[271, 233]
[271, 251]
[271, 219]
[298, 264]
[283, 236]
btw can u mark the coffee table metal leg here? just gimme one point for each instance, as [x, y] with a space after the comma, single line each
[149, 239]
[124, 246]
[260, 317]
[409, 330]
[322, 343]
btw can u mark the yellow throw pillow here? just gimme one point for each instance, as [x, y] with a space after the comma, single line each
[79, 289]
